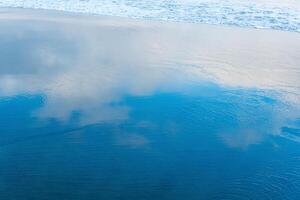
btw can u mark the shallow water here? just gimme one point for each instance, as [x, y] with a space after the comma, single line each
[270, 14]
[99, 108]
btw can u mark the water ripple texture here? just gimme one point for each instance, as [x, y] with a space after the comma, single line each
[269, 14]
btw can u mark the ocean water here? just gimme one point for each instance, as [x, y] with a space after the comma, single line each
[270, 14]
[113, 109]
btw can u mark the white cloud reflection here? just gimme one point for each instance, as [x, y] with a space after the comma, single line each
[88, 65]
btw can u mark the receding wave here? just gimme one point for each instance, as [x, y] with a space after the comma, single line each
[252, 14]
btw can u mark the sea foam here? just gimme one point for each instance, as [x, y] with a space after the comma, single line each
[270, 14]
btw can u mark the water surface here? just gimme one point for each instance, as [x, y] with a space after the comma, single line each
[270, 14]
[105, 108]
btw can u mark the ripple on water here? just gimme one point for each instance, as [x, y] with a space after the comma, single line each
[254, 14]
[277, 180]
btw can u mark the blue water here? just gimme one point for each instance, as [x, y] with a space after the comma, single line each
[131, 111]
[270, 14]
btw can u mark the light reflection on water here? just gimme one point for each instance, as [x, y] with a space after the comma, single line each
[112, 109]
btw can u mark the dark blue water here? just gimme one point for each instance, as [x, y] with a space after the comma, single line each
[97, 111]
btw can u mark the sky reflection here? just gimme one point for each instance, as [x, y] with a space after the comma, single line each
[241, 84]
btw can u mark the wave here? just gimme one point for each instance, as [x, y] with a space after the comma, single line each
[269, 14]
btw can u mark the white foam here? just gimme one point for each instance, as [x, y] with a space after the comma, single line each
[271, 14]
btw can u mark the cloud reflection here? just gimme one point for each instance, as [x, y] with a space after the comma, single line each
[89, 65]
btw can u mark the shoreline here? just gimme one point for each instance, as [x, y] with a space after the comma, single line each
[230, 13]
[31, 13]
